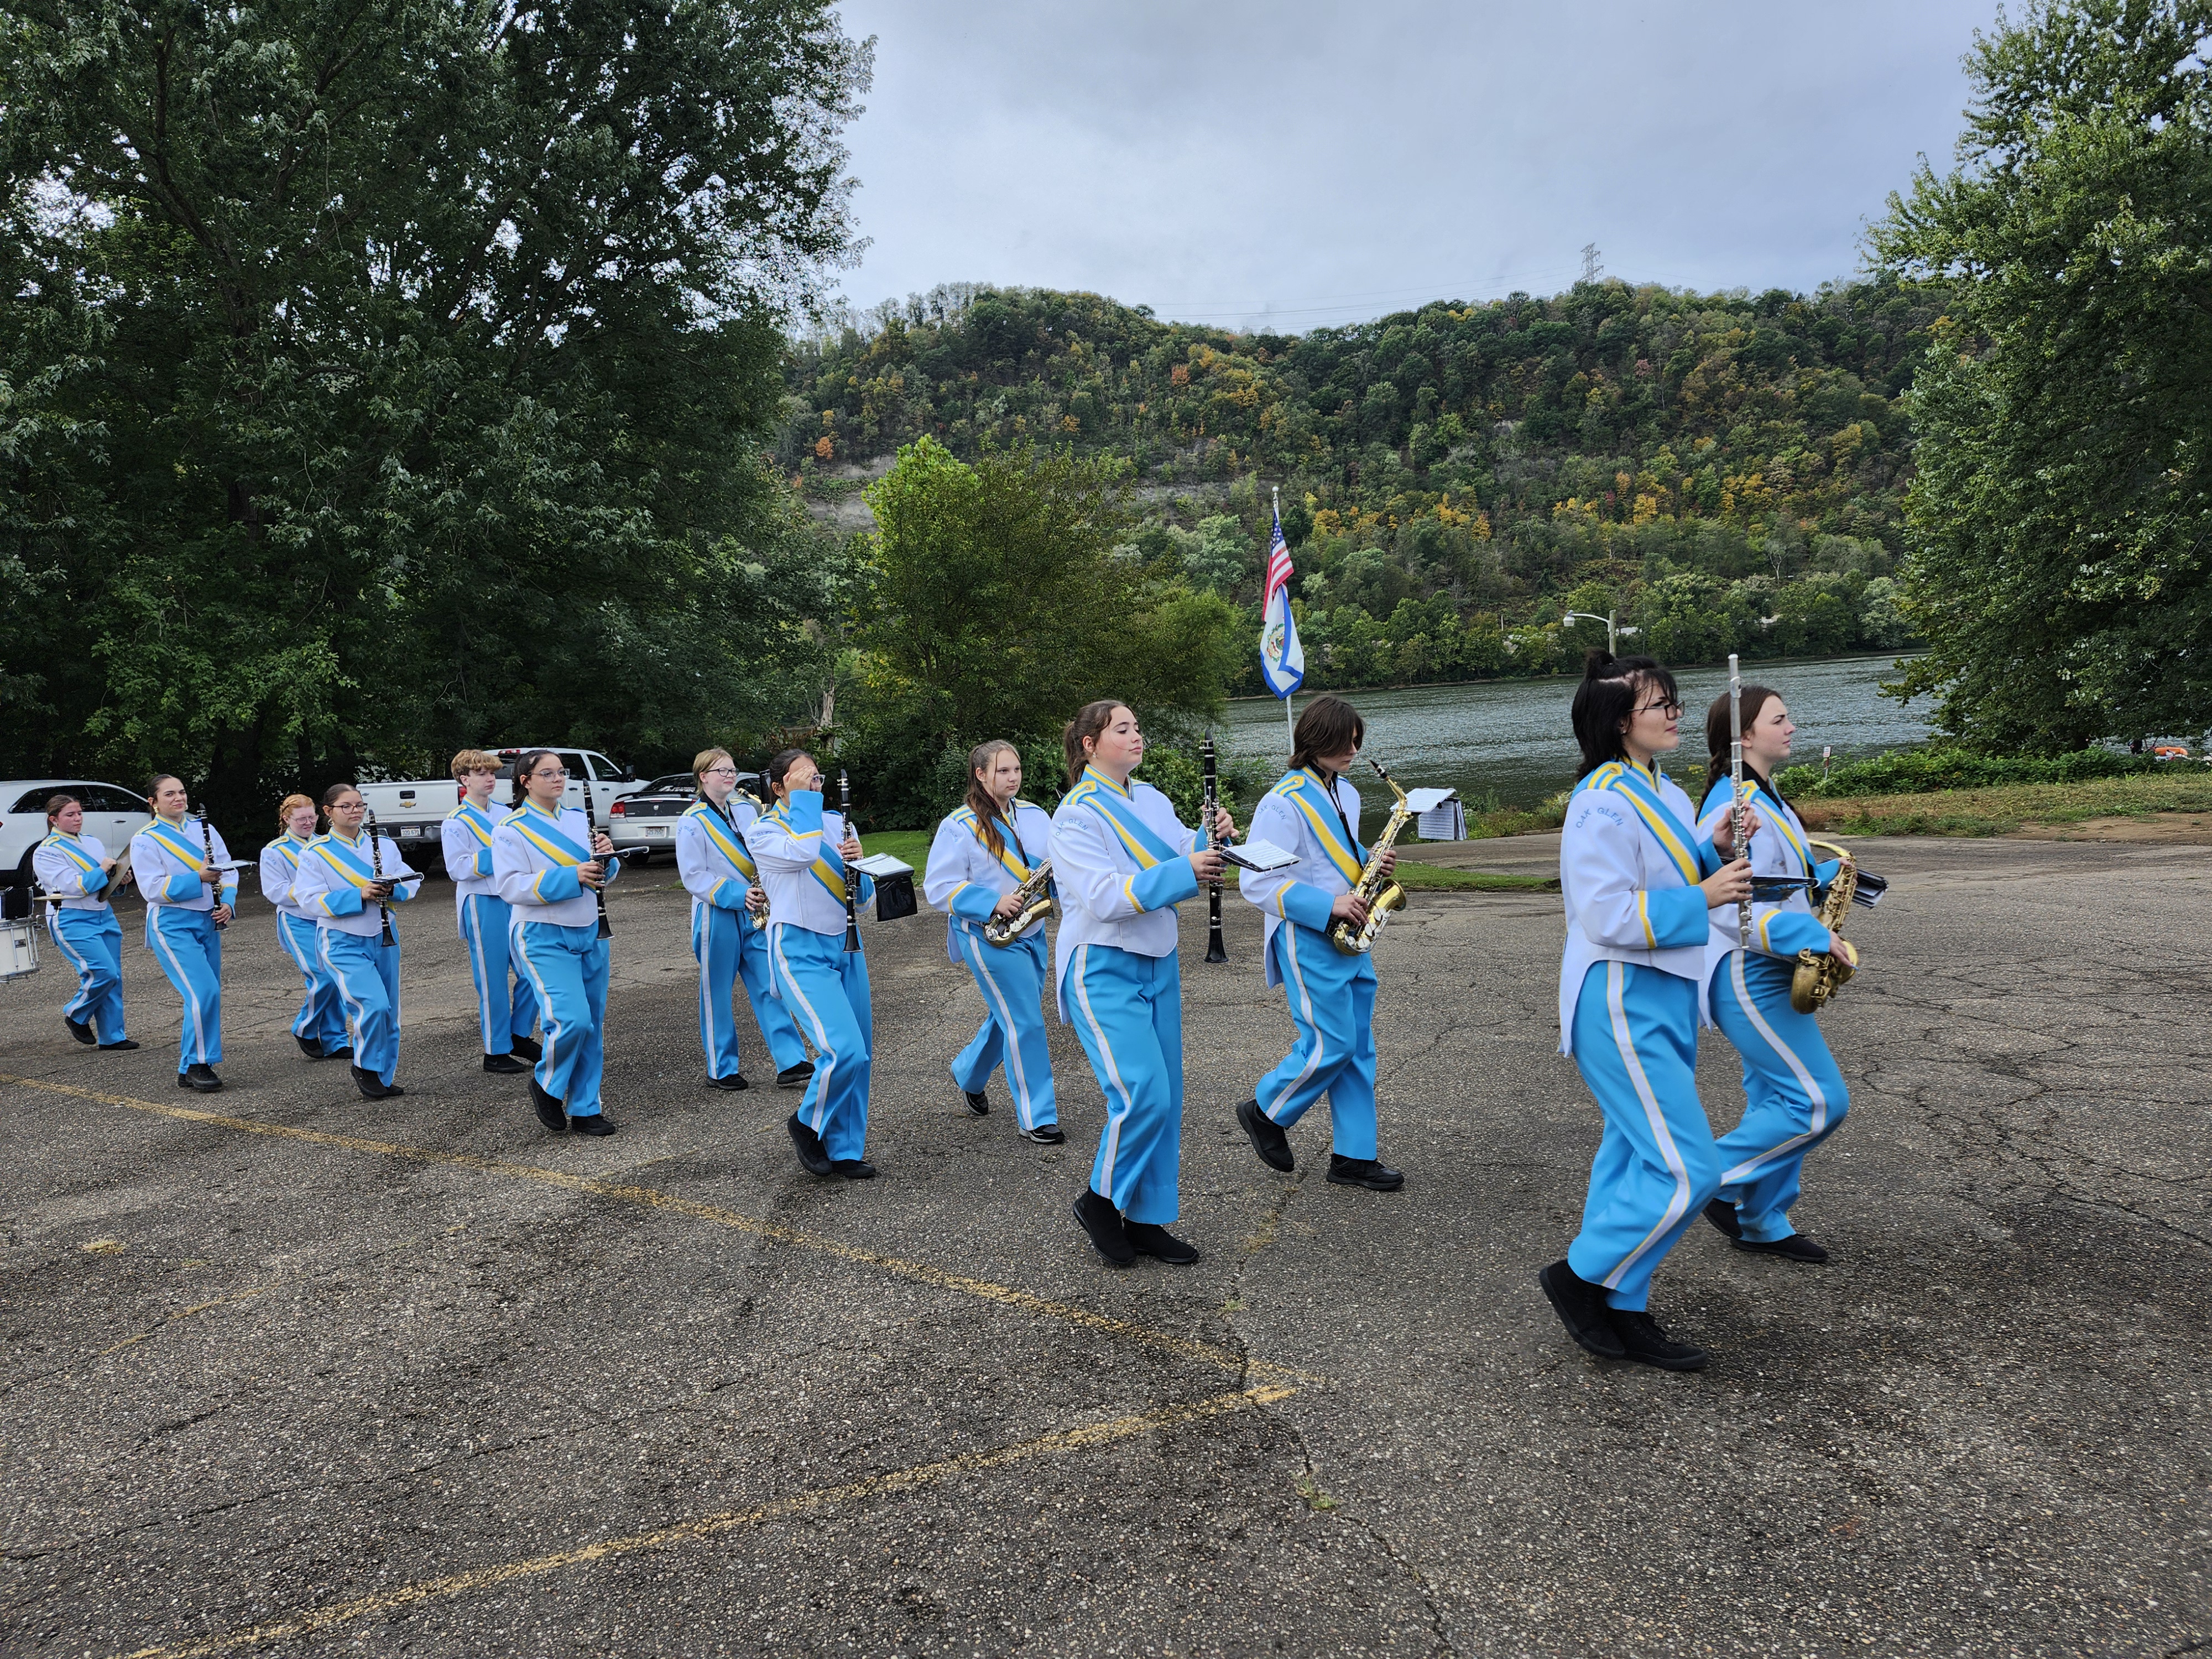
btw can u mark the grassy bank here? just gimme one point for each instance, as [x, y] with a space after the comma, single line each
[2009, 808]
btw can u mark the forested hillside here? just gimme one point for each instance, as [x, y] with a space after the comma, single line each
[1724, 470]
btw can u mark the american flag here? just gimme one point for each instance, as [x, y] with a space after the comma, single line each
[1282, 660]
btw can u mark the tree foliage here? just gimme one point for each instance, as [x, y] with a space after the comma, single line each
[382, 378]
[2061, 519]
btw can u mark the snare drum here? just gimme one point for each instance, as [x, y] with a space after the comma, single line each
[19, 948]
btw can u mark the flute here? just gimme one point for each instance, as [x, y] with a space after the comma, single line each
[852, 880]
[1215, 951]
[376, 869]
[1736, 809]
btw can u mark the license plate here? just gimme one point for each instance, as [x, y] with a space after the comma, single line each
[411, 831]
[656, 828]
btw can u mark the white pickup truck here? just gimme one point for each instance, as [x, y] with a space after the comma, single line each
[413, 811]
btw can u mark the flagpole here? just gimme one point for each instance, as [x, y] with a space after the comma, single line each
[1288, 722]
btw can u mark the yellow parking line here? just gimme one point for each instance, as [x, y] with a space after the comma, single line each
[714, 1526]
[1004, 1295]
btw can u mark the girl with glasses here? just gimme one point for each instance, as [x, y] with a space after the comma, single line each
[189, 896]
[505, 1016]
[1640, 883]
[348, 879]
[729, 918]
[549, 866]
[319, 1027]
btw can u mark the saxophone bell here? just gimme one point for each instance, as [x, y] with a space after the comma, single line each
[1385, 896]
[1820, 974]
[1037, 904]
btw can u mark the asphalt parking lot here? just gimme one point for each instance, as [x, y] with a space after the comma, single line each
[286, 1372]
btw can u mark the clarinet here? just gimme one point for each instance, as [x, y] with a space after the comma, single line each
[376, 869]
[591, 835]
[1735, 794]
[207, 847]
[851, 879]
[1214, 949]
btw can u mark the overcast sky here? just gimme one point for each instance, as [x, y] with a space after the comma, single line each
[1309, 161]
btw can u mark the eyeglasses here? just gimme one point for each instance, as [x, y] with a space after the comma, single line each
[559, 772]
[720, 772]
[1671, 710]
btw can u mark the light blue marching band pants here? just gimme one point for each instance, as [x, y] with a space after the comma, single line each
[825, 987]
[501, 1015]
[1635, 1044]
[1795, 1097]
[322, 1017]
[1332, 998]
[566, 967]
[367, 973]
[93, 942]
[1128, 1014]
[730, 948]
[190, 949]
[1011, 978]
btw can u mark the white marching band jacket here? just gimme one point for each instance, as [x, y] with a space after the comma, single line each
[711, 855]
[334, 874]
[534, 858]
[465, 839]
[1120, 862]
[964, 880]
[1630, 863]
[1778, 928]
[168, 861]
[794, 847]
[1299, 816]
[280, 862]
[68, 867]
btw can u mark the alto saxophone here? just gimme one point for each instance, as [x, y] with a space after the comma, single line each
[1036, 897]
[1383, 896]
[1820, 974]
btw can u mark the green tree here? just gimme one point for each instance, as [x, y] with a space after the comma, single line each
[2062, 516]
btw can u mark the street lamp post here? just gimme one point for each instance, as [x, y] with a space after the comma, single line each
[1614, 632]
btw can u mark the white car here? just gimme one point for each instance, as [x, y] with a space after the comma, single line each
[112, 812]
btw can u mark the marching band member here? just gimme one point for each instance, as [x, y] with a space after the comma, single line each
[1638, 883]
[337, 883]
[319, 1027]
[549, 866]
[980, 856]
[1795, 1097]
[729, 923]
[804, 856]
[80, 877]
[187, 906]
[507, 1008]
[1314, 812]
[1122, 860]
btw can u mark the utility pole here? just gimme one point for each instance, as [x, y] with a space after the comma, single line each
[1592, 269]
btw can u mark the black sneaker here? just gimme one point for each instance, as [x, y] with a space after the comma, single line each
[1102, 1222]
[119, 1043]
[853, 1168]
[372, 1087]
[1150, 1239]
[795, 1077]
[528, 1048]
[1795, 1248]
[1721, 1214]
[1643, 1341]
[309, 1047]
[200, 1080]
[733, 1084]
[505, 1065]
[1267, 1137]
[551, 1112]
[979, 1103]
[1045, 1134]
[343, 1051]
[81, 1030]
[1581, 1308]
[809, 1144]
[592, 1123]
[1370, 1173]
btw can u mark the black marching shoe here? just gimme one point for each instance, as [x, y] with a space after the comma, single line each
[1150, 1239]
[372, 1087]
[1102, 1222]
[1581, 1308]
[592, 1123]
[505, 1065]
[853, 1168]
[809, 1146]
[343, 1051]
[1721, 1214]
[732, 1084]
[200, 1080]
[1267, 1137]
[795, 1077]
[528, 1048]
[81, 1030]
[119, 1043]
[1795, 1248]
[1645, 1342]
[1369, 1172]
[979, 1103]
[309, 1047]
[1045, 1134]
[551, 1112]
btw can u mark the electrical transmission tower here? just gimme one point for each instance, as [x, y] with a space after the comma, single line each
[1592, 268]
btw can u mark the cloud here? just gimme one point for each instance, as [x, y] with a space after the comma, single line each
[1307, 163]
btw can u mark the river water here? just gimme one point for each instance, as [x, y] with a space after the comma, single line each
[1513, 736]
